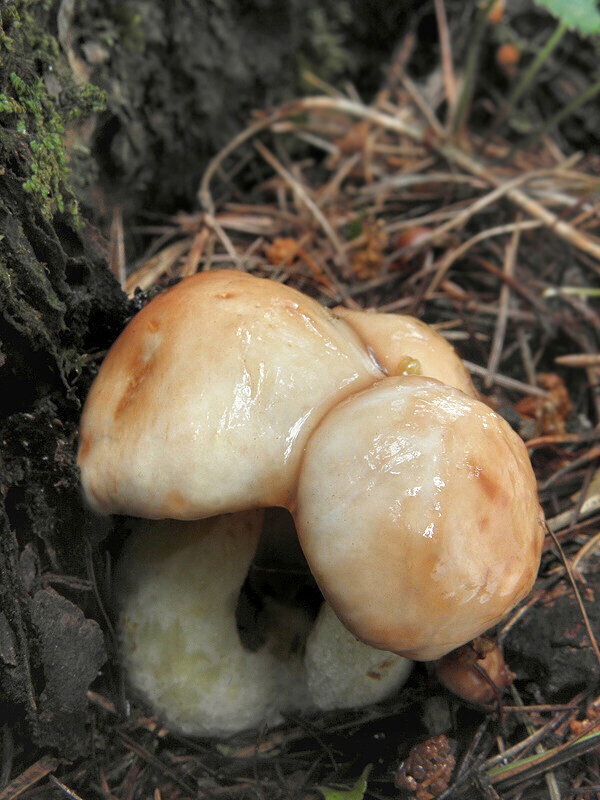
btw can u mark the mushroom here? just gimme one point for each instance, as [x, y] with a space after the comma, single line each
[422, 527]
[415, 504]
[177, 586]
[343, 672]
[477, 672]
[204, 403]
[404, 345]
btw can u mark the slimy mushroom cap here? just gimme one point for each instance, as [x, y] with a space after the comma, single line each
[396, 340]
[417, 511]
[204, 403]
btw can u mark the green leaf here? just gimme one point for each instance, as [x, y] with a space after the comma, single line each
[581, 15]
[356, 792]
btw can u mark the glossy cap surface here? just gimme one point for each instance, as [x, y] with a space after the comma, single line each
[401, 343]
[204, 403]
[417, 511]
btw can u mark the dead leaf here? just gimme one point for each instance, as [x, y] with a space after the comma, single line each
[549, 413]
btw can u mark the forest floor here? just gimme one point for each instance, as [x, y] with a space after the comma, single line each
[437, 200]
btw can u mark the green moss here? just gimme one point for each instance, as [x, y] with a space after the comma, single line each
[32, 121]
[72, 364]
[89, 99]
[326, 52]
[130, 28]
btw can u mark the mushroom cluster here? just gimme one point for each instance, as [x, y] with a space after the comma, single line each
[414, 503]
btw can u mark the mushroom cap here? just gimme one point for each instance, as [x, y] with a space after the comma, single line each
[397, 339]
[463, 672]
[204, 403]
[418, 514]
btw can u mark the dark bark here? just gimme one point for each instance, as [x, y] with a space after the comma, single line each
[184, 77]
[58, 303]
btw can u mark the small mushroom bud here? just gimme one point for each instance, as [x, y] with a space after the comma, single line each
[476, 672]
[508, 57]
[404, 345]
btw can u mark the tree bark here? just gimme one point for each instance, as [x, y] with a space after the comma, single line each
[58, 304]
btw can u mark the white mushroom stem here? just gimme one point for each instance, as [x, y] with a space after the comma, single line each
[343, 672]
[177, 588]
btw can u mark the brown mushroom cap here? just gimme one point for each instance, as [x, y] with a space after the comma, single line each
[418, 514]
[476, 672]
[397, 339]
[204, 403]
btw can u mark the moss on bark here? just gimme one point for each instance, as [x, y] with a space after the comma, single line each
[58, 303]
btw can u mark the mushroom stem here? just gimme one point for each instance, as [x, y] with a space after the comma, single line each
[343, 672]
[178, 585]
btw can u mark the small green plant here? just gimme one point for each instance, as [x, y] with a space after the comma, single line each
[326, 52]
[356, 792]
[580, 16]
